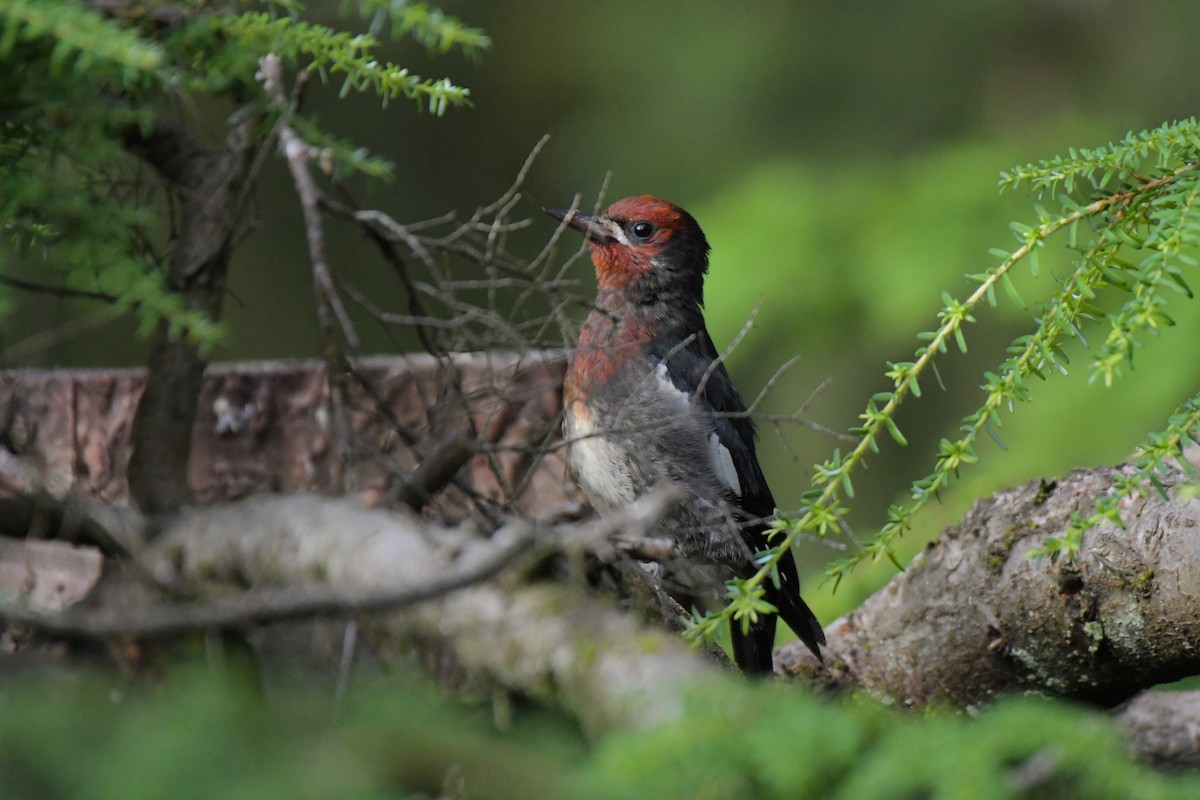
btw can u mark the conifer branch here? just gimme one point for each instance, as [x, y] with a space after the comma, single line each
[1167, 200]
[333, 51]
[79, 34]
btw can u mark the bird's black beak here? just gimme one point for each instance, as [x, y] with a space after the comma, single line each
[594, 228]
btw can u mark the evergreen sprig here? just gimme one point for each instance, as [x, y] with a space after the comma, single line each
[1171, 243]
[71, 197]
[332, 51]
[79, 80]
[438, 32]
[80, 36]
[339, 157]
[1101, 167]
[1140, 236]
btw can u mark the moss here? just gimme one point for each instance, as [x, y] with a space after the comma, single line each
[586, 650]
[650, 643]
[999, 552]
[1144, 583]
[1095, 633]
[1011, 534]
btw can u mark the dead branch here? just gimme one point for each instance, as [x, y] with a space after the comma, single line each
[116, 532]
[316, 517]
[331, 313]
[305, 556]
[435, 472]
[55, 290]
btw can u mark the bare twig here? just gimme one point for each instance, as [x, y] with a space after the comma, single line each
[300, 602]
[272, 605]
[55, 291]
[40, 342]
[330, 309]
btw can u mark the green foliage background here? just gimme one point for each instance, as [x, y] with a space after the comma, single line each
[843, 161]
[198, 735]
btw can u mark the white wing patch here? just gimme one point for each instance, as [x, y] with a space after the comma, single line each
[722, 464]
[719, 456]
[668, 387]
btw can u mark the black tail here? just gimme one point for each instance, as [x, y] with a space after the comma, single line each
[798, 616]
[752, 651]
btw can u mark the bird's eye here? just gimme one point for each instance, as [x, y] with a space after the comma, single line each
[642, 230]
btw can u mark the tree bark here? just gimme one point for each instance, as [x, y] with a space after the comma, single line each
[973, 617]
[208, 187]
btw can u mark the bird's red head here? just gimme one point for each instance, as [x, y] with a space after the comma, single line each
[646, 245]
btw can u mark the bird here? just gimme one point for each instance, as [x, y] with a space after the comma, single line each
[647, 400]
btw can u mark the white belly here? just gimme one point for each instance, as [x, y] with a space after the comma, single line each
[601, 466]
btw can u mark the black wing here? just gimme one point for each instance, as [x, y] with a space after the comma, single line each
[697, 365]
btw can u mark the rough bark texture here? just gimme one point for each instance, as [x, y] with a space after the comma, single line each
[264, 427]
[973, 617]
[208, 187]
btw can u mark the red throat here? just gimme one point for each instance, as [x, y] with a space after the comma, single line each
[617, 265]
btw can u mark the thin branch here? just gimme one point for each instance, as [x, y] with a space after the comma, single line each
[273, 605]
[330, 309]
[263, 606]
[40, 342]
[55, 291]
